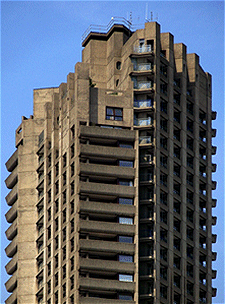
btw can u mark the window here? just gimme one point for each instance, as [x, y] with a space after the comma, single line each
[72, 226]
[72, 263]
[64, 290]
[163, 160]
[64, 160]
[72, 207]
[114, 113]
[163, 70]
[64, 197]
[163, 254]
[72, 168]
[72, 282]
[125, 163]
[126, 258]
[163, 142]
[56, 279]
[72, 244]
[56, 224]
[163, 235]
[125, 182]
[163, 105]
[163, 272]
[49, 268]
[49, 214]
[64, 234]
[49, 287]
[126, 201]
[163, 124]
[56, 206]
[64, 271]
[56, 242]
[125, 278]
[57, 261]
[163, 198]
[176, 262]
[64, 178]
[126, 220]
[72, 151]
[118, 65]
[163, 216]
[125, 239]
[64, 252]
[163, 179]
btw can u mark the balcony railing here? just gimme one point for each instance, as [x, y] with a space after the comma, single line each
[143, 140]
[143, 49]
[143, 85]
[143, 121]
[143, 67]
[143, 103]
[146, 158]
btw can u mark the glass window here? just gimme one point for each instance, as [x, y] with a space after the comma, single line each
[126, 220]
[125, 278]
[124, 163]
[126, 258]
[114, 113]
[126, 201]
[125, 239]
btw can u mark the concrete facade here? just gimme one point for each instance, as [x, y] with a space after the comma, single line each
[111, 181]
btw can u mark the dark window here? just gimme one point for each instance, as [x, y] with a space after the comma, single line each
[118, 65]
[114, 113]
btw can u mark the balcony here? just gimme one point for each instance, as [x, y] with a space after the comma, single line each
[93, 150]
[95, 300]
[214, 256]
[214, 184]
[106, 170]
[140, 69]
[214, 220]
[214, 202]
[214, 291]
[141, 104]
[142, 49]
[143, 85]
[107, 227]
[214, 113]
[145, 140]
[214, 237]
[214, 273]
[12, 196]
[12, 299]
[147, 177]
[12, 162]
[143, 122]
[107, 189]
[11, 266]
[90, 283]
[11, 179]
[11, 232]
[107, 246]
[214, 148]
[11, 249]
[11, 214]
[214, 132]
[11, 283]
[102, 265]
[107, 208]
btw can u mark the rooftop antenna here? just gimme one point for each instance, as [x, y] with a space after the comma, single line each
[146, 12]
[130, 18]
[151, 16]
[156, 17]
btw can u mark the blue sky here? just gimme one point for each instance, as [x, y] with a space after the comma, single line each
[41, 43]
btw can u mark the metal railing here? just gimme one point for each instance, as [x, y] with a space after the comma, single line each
[143, 121]
[143, 140]
[143, 49]
[143, 67]
[143, 85]
[143, 103]
[103, 29]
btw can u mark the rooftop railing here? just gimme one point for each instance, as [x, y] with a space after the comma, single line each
[103, 29]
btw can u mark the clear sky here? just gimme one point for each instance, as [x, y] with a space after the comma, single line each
[41, 43]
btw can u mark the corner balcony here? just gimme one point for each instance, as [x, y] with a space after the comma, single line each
[11, 214]
[143, 122]
[145, 140]
[11, 266]
[12, 162]
[11, 179]
[12, 299]
[11, 283]
[143, 104]
[11, 232]
[142, 86]
[12, 196]
[11, 249]
[143, 49]
[142, 69]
